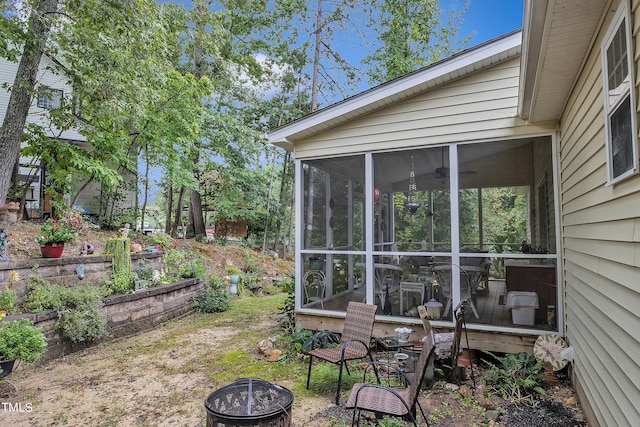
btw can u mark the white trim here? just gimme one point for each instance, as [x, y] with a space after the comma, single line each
[464, 63]
[621, 17]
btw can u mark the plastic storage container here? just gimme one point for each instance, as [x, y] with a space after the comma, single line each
[523, 307]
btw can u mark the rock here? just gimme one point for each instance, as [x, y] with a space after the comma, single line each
[493, 416]
[136, 247]
[275, 355]
[571, 401]
[466, 391]
[266, 346]
[451, 387]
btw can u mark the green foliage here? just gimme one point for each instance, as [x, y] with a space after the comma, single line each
[54, 231]
[514, 376]
[121, 283]
[173, 260]
[288, 308]
[80, 318]
[144, 270]
[20, 339]
[294, 342]
[215, 299]
[42, 295]
[193, 268]
[8, 299]
[161, 239]
[79, 315]
[386, 421]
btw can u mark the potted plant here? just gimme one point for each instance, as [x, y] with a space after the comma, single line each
[19, 340]
[316, 263]
[54, 234]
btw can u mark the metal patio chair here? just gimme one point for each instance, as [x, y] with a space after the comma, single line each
[398, 402]
[354, 343]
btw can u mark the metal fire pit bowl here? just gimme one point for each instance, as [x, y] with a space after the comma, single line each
[249, 402]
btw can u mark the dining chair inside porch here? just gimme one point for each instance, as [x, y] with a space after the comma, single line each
[397, 402]
[354, 342]
[469, 281]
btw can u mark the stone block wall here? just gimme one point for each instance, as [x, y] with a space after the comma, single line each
[64, 270]
[125, 314]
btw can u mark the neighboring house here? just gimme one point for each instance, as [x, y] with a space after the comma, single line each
[51, 77]
[392, 183]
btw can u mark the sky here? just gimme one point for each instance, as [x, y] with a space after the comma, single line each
[490, 18]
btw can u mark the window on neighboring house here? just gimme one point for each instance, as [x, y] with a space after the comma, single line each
[49, 98]
[619, 105]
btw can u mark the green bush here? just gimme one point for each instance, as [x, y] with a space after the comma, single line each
[192, 269]
[212, 301]
[8, 300]
[81, 318]
[161, 239]
[215, 298]
[21, 340]
[173, 260]
[144, 270]
[42, 295]
[79, 315]
[514, 376]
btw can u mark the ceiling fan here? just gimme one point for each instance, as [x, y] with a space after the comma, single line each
[443, 171]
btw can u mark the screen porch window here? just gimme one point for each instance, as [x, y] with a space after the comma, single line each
[49, 98]
[620, 120]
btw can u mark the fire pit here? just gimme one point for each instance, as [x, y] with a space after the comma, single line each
[249, 402]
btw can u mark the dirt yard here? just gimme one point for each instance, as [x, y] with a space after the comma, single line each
[162, 377]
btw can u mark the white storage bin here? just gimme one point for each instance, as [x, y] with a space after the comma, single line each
[523, 307]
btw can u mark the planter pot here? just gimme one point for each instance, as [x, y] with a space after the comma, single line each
[52, 250]
[233, 288]
[7, 367]
[234, 278]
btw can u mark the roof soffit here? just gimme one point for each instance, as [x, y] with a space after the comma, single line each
[557, 36]
[462, 64]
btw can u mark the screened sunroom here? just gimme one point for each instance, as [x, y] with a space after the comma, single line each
[433, 226]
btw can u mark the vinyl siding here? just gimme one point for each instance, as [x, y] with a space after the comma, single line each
[601, 244]
[46, 77]
[478, 107]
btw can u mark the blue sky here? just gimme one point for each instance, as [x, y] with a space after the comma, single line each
[490, 18]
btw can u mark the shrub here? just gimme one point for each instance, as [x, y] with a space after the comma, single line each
[192, 269]
[514, 376]
[81, 318]
[21, 340]
[212, 301]
[161, 239]
[215, 298]
[79, 315]
[173, 260]
[144, 270]
[7, 300]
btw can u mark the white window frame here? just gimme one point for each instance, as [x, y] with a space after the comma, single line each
[612, 101]
[49, 98]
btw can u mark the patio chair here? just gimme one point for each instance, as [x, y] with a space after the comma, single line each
[354, 343]
[398, 402]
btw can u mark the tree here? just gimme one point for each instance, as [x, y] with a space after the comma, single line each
[413, 35]
[33, 40]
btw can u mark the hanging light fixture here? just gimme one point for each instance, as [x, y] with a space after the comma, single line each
[412, 200]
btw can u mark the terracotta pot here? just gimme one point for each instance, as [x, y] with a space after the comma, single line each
[52, 250]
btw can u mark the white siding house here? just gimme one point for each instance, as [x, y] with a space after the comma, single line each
[49, 76]
[550, 112]
[52, 77]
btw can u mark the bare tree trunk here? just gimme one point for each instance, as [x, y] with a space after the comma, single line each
[146, 190]
[316, 59]
[178, 217]
[266, 225]
[195, 224]
[25, 81]
[167, 222]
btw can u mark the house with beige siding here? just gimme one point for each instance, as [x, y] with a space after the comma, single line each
[505, 177]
